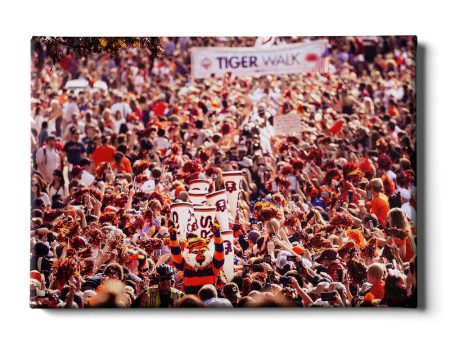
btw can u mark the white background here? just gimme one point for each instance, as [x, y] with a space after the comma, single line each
[429, 20]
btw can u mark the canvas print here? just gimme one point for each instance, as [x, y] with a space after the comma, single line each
[223, 172]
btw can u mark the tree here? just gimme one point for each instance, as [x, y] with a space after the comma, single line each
[56, 48]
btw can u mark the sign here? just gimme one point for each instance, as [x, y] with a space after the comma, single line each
[287, 124]
[251, 61]
[228, 266]
[204, 218]
[231, 181]
[219, 200]
[182, 214]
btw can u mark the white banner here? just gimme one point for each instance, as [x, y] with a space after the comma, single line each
[219, 200]
[228, 265]
[182, 214]
[204, 216]
[287, 124]
[250, 61]
[232, 183]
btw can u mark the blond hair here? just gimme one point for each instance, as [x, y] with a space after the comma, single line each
[376, 184]
[377, 271]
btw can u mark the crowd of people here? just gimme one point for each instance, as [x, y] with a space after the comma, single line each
[326, 217]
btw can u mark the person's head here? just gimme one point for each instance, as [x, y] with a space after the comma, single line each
[326, 257]
[122, 148]
[252, 237]
[395, 288]
[156, 173]
[183, 196]
[231, 292]
[189, 301]
[54, 104]
[39, 203]
[207, 291]
[104, 140]
[74, 118]
[74, 134]
[58, 177]
[198, 124]
[41, 249]
[376, 273]
[155, 206]
[85, 164]
[118, 156]
[161, 133]
[165, 277]
[132, 260]
[376, 185]
[36, 188]
[76, 172]
[51, 141]
[246, 302]
[198, 252]
[113, 271]
[391, 126]
[397, 218]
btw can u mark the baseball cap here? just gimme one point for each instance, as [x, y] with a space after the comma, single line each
[76, 170]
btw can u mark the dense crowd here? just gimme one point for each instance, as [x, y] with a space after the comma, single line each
[326, 217]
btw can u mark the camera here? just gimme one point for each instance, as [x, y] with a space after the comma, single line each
[291, 258]
[245, 270]
[285, 281]
[271, 276]
[325, 194]
[256, 268]
[328, 296]
[350, 196]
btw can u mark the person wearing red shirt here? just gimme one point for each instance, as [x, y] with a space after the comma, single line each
[104, 152]
[159, 107]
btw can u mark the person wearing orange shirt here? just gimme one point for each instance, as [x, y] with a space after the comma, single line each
[104, 152]
[121, 163]
[375, 274]
[380, 203]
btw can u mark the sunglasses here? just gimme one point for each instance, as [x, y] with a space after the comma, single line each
[164, 279]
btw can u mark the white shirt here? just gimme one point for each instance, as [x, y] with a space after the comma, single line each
[38, 123]
[409, 211]
[69, 108]
[217, 302]
[148, 186]
[391, 175]
[47, 162]
[117, 124]
[62, 191]
[87, 178]
[123, 107]
[162, 143]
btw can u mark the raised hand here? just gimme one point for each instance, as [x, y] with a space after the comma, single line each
[215, 228]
